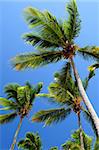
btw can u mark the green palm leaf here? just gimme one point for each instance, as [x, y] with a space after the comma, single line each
[11, 91]
[87, 79]
[9, 104]
[7, 117]
[89, 52]
[35, 60]
[93, 67]
[39, 42]
[72, 26]
[46, 25]
[90, 120]
[51, 116]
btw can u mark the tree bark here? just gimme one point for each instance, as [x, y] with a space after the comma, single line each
[16, 134]
[85, 97]
[81, 134]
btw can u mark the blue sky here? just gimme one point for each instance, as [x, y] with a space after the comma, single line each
[12, 26]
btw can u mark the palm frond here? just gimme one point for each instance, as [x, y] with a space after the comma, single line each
[35, 60]
[90, 120]
[7, 118]
[11, 91]
[87, 79]
[89, 52]
[46, 25]
[51, 116]
[64, 74]
[39, 42]
[39, 87]
[60, 95]
[8, 103]
[93, 67]
[72, 26]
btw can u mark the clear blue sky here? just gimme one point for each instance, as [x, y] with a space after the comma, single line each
[12, 26]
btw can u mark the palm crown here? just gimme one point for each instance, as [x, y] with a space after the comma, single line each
[32, 141]
[54, 40]
[74, 142]
[64, 92]
[21, 101]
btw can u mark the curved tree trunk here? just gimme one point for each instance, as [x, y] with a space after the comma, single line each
[16, 134]
[85, 97]
[81, 134]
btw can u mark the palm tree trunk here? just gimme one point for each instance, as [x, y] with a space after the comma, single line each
[81, 134]
[16, 134]
[85, 97]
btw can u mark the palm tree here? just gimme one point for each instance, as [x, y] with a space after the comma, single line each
[64, 91]
[31, 142]
[74, 142]
[19, 100]
[54, 40]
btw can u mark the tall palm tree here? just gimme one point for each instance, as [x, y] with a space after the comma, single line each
[54, 40]
[19, 101]
[64, 91]
[31, 142]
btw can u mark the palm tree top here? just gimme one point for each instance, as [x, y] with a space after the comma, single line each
[74, 142]
[64, 92]
[53, 40]
[19, 100]
[32, 141]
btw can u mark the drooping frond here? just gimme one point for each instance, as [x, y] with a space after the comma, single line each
[90, 120]
[60, 94]
[8, 103]
[87, 79]
[89, 52]
[40, 42]
[11, 91]
[93, 67]
[35, 60]
[32, 91]
[7, 118]
[32, 141]
[39, 87]
[72, 26]
[64, 75]
[51, 116]
[45, 25]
